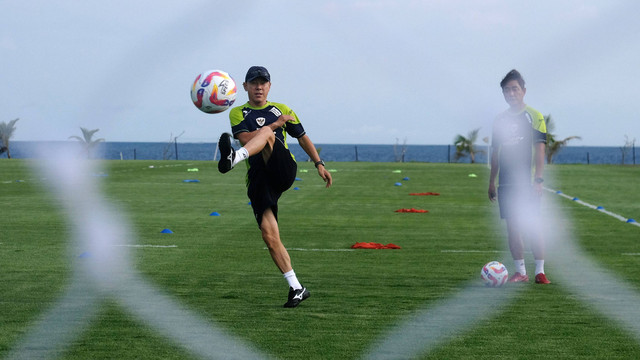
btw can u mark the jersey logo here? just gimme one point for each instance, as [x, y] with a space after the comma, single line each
[245, 112]
[275, 111]
[260, 121]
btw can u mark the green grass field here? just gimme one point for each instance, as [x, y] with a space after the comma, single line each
[221, 270]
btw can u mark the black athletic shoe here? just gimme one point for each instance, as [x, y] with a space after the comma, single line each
[227, 153]
[296, 297]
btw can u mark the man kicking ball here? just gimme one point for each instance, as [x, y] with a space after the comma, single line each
[262, 128]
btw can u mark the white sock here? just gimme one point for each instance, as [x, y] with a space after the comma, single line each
[291, 278]
[539, 267]
[519, 264]
[241, 154]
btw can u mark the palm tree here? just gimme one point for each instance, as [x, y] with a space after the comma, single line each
[465, 145]
[553, 145]
[87, 139]
[6, 132]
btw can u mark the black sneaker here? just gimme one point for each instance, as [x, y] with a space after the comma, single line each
[227, 153]
[296, 297]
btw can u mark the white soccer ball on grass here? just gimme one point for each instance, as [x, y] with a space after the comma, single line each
[494, 274]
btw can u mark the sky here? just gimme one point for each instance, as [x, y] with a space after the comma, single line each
[355, 72]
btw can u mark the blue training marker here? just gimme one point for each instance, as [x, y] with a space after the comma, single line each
[215, 213]
[166, 231]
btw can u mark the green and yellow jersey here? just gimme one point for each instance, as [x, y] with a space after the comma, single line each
[513, 137]
[246, 118]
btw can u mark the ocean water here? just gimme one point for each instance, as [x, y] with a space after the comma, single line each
[329, 152]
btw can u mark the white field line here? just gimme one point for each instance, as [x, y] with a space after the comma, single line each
[471, 251]
[147, 246]
[322, 250]
[498, 251]
[598, 208]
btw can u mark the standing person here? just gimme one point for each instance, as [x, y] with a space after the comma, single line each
[262, 128]
[518, 133]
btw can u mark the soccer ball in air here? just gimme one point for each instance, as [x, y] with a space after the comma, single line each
[494, 274]
[213, 91]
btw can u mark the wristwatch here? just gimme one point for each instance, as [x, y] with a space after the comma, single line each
[321, 162]
[539, 180]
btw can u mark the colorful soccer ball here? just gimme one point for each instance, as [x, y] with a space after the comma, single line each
[213, 91]
[494, 274]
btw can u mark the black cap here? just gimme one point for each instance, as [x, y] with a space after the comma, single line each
[257, 72]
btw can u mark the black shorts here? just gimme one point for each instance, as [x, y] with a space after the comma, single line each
[517, 201]
[268, 181]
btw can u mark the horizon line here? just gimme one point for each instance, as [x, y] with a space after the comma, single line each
[290, 143]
